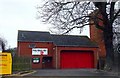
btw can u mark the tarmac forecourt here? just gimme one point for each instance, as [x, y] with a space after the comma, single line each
[63, 73]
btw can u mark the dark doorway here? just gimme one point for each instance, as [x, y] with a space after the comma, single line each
[47, 62]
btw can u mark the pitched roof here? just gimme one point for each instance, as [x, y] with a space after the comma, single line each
[58, 40]
[72, 40]
[34, 36]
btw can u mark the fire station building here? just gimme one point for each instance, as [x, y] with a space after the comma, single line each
[57, 51]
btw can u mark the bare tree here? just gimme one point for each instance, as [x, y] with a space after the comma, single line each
[67, 15]
[3, 43]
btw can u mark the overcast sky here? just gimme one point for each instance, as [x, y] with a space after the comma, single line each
[20, 15]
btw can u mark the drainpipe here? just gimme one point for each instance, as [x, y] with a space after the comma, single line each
[56, 57]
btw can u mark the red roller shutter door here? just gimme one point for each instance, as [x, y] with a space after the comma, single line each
[77, 60]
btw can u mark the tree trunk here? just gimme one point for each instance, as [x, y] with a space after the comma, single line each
[108, 39]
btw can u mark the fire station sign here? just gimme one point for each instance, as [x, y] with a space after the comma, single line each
[5, 63]
[39, 51]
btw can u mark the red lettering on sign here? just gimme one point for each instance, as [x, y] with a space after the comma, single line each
[42, 52]
[3, 64]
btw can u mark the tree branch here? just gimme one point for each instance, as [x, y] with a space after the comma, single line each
[116, 15]
[80, 18]
[112, 12]
[70, 29]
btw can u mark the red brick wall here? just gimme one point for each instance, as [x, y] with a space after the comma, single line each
[96, 35]
[26, 51]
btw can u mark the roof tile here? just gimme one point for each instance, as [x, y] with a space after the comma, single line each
[58, 40]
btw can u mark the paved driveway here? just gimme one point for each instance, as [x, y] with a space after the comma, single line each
[71, 72]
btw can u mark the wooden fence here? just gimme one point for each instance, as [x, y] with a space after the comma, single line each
[21, 63]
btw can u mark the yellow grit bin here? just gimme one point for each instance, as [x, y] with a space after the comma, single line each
[5, 63]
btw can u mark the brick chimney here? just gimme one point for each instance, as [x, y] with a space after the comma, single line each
[96, 35]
